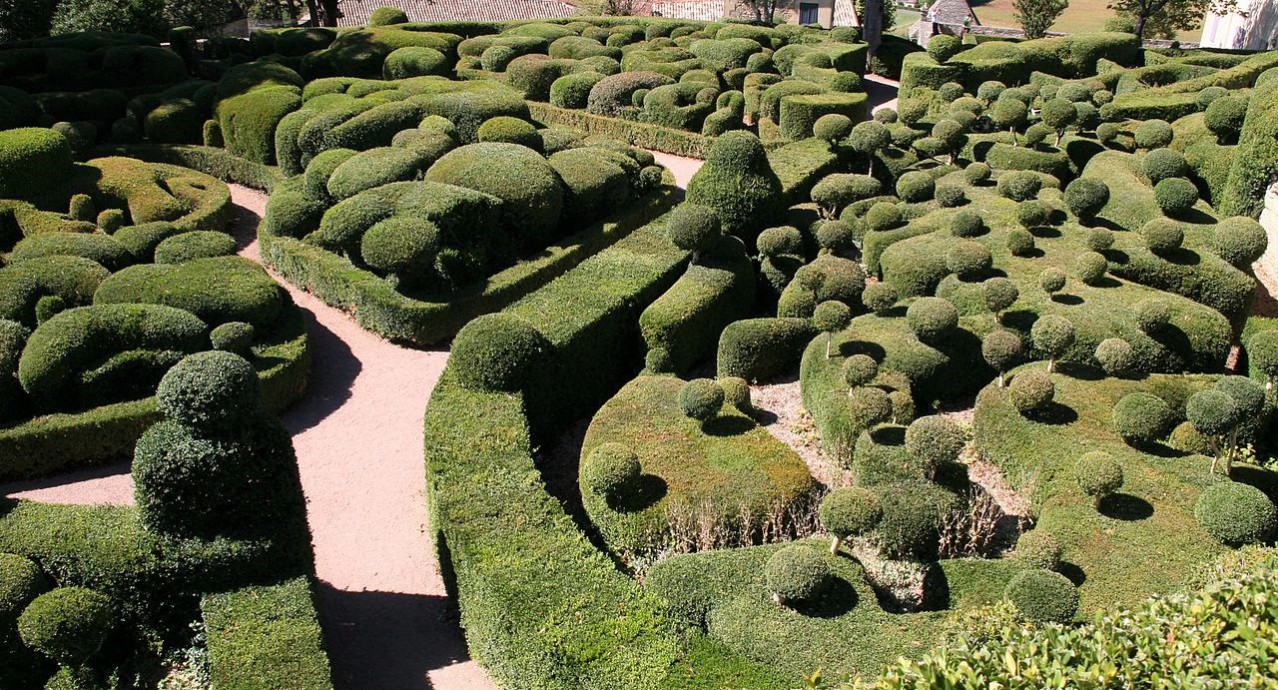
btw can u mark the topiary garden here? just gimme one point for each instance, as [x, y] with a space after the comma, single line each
[1014, 317]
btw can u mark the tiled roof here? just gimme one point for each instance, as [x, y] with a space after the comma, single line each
[356, 12]
[952, 12]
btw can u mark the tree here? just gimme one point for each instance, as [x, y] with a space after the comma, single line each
[1009, 114]
[831, 317]
[868, 138]
[764, 10]
[23, 19]
[1037, 16]
[1166, 15]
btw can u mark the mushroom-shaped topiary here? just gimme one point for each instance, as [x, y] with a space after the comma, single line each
[1117, 357]
[67, 624]
[850, 511]
[611, 471]
[1142, 418]
[966, 223]
[1098, 475]
[1009, 114]
[1152, 315]
[694, 228]
[1043, 596]
[1216, 415]
[701, 399]
[1175, 195]
[1162, 164]
[1163, 236]
[834, 192]
[932, 319]
[1002, 349]
[1240, 240]
[496, 352]
[1031, 391]
[1000, 294]
[797, 575]
[934, 441]
[1052, 280]
[1039, 549]
[1085, 197]
[1153, 134]
[832, 128]
[1058, 114]
[859, 370]
[1052, 335]
[867, 138]
[880, 298]
[1090, 267]
[830, 317]
[1020, 242]
[969, 260]
[1236, 513]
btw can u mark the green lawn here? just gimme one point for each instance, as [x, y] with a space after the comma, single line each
[1080, 16]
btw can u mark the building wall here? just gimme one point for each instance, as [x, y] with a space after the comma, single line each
[712, 10]
[1258, 30]
[845, 13]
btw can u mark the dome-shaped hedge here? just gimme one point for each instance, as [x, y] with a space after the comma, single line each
[610, 471]
[495, 352]
[1142, 418]
[1043, 596]
[797, 574]
[1161, 164]
[1175, 195]
[1236, 513]
[1240, 241]
[529, 186]
[67, 624]
[737, 182]
[934, 441]
[1117, 357]
[211, 389]
[1085, 197]
[915, 186]
[931, 318]
[20, 582]
[969, 260]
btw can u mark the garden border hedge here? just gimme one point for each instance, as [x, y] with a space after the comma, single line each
[673, 141]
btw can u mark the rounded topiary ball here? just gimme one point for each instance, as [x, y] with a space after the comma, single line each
[48, 307]
[1043, 596]
[1262, 350]
[1039, 549]
[510, 130]
[1098, 475]
[1090, 267]
[969, 260]
[836, 236]
[1161, 164]
[977, 174]
[20, 582]
[1116, 356]
[209, 390]
[780, 241]
[883, 215]
[1225, 116]
[833, 127]
[693, 227]
[1162, 235]
[1213, 412]
[934, 441]
[912, 514]
[1033, 214]
[1001, 349]
[1020, 242]
[868, 407]
[915, 186]
[850, 511]
[931, 318]
[1031, 391]
[1019, 185]
[701, 399]
[1052, 280]
[67, 624]
[879, 298]
[1188, 439]
[235, 337]
[1154, 134]
[1142, 418]
[950, 195]
[384, 16]
[610, 471]
[1152, 315]
[966, 223]
[1100, 239]
[496, 352]
[1240, 241]
[797, 574]
[1236, 513]
[1085, 197]
[859, 370]
[1175, 195]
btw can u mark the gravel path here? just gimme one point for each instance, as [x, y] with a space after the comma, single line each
[682, 167]
[358, 435]
[882, 92]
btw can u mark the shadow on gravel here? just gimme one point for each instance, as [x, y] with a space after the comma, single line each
[387, 640]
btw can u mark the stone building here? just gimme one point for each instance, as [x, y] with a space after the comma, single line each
[825, 13]
[1253, 26]
[953, 17]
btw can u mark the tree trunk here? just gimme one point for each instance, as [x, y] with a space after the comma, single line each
[829, 340]
[1000, 380]
[1140, 26]
[872, 28]
[330, 12]
[1051, 364]
[834, 546]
